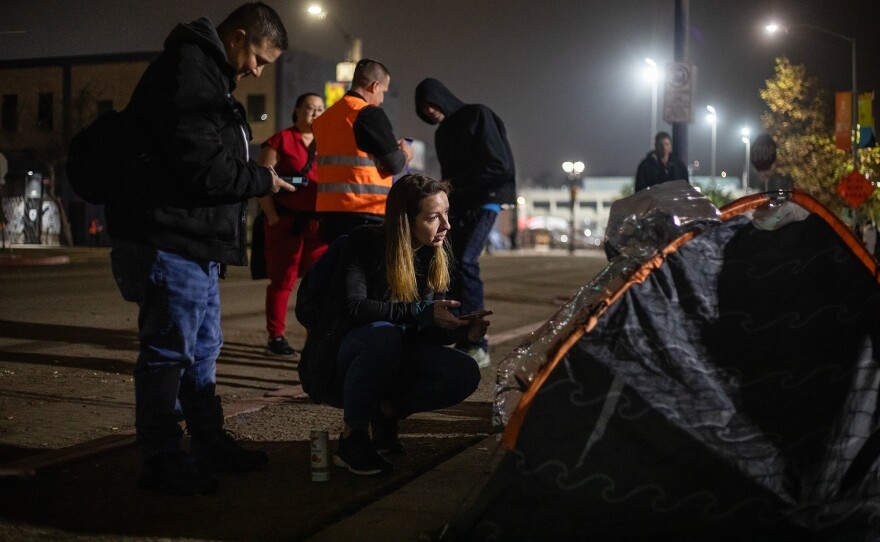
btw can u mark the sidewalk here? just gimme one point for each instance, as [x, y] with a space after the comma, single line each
[67, 348]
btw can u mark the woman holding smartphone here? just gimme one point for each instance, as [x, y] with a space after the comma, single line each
[292, 234]
[378, 351]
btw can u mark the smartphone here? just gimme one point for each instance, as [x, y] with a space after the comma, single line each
[473, 315]
[295, 181]
[408, 140]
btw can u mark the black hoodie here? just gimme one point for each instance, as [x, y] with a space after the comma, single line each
[196, 204]
[472, 147]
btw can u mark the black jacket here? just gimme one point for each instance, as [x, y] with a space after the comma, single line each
[651, 171]
[358, 295]
[195, 204]
[472, 147]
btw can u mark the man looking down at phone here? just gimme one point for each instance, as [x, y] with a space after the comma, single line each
[475, 157]
[293, 239]
[377, 351]
[174, 236]
[357, 154]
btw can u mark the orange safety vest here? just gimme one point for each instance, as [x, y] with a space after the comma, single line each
[349, 180]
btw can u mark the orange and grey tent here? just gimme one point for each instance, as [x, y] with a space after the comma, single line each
[723, 386]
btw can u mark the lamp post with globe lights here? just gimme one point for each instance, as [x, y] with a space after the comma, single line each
[573, 171]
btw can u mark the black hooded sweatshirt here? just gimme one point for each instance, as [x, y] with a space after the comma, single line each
[195, 202]
[472, 148]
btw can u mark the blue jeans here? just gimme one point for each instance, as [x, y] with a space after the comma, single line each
[469, 235]
[180, 339]
[375, 364]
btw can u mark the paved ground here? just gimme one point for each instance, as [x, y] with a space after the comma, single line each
[67, 349]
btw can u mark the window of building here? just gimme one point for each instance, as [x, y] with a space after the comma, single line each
[45, 111]
[594, 205]
[9, 117]
[103, 106]
[541, 205]
[256, 108]
[563, 204]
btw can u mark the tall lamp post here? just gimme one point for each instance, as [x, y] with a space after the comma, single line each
[712, 117]
[653, 75]
[748, 142]
[574, 171]
[345, 69]
[772, 28]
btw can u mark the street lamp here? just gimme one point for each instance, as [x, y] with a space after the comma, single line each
[712, 117]
[653, 76]
[345, 69]
[748, 142]
[854, 98]
[574, 171]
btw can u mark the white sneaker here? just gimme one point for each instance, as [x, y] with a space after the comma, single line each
[481, 356]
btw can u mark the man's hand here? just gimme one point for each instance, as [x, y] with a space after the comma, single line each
[278, 184]
[407, 149]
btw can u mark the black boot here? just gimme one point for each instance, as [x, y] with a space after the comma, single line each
[213, 447]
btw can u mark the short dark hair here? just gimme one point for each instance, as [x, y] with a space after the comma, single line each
[299, 101]
[259, 21]
[367, 70]
[660, 137]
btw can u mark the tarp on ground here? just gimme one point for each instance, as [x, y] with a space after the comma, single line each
[718, 381]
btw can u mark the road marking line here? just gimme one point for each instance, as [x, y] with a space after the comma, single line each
[516, 333]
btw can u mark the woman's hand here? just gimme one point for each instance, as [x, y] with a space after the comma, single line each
[445, 319]
[477, 329]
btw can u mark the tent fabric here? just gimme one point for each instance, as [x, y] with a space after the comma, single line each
[727, 390]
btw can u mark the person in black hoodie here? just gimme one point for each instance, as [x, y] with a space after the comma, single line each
[173, 237]
[474, 155]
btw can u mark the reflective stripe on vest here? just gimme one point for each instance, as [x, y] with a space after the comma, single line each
[349, 180]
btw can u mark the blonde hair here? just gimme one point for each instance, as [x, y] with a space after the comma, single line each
[403, 205]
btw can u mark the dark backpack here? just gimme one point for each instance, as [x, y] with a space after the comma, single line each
[106, 156]
[311, 297]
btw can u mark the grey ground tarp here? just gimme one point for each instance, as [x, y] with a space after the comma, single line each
[731, 395]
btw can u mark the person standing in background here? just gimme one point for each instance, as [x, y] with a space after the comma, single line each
[293, 238]
[475, 157]
[660, 165]
[357, 154]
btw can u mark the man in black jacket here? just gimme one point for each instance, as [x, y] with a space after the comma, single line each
[660, 165]
[475, 157]
[174, 234]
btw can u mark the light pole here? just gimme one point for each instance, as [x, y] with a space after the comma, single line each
[712, 117]
[748, 142]
[653, 75]
[345, 69]
[854, 98]
[573, 171]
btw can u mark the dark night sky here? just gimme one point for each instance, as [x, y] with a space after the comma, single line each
[564, 75]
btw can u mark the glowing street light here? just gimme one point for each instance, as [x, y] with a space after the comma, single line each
[712, 118]
[772, 28]
[745, 139]
[653, 75]
[345, 69]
